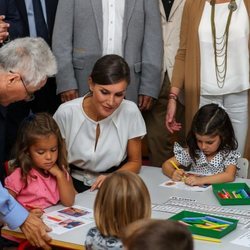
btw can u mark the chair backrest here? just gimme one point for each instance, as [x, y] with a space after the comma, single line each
[243, 164]
[7, 165]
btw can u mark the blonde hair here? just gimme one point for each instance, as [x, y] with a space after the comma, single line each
[123, 198]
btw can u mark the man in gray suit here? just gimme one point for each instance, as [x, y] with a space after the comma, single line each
[86, 30]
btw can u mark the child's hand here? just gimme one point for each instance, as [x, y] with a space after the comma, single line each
[55, 170]
[178, 175]
[193, 180]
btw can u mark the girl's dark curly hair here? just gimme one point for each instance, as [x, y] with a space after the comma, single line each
[211, 120]
[33, 128]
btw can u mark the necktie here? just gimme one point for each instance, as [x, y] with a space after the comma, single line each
[41, 26]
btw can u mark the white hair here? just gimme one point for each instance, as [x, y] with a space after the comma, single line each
[30, 57]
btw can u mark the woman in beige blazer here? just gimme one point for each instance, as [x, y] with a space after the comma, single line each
[188, 62]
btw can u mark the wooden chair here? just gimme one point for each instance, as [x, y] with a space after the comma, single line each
[243, 164]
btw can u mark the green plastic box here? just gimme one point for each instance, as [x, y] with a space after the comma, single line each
[203, 231]
[231, 187]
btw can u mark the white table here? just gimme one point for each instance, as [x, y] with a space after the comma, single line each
[152, 176]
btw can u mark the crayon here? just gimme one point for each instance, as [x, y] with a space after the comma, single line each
[223, 196]
[239, 196]
[198, 237]
[234, 194]
[226, 193]
[244, 193]
[213, 226]
[217, 220]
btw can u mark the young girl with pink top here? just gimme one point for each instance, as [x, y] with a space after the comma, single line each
[40, 178]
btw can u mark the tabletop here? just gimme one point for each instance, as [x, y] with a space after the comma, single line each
[153, 177]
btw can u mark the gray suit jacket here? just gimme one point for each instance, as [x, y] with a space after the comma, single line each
[77, 44]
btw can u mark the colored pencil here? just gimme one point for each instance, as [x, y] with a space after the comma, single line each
[199, 237]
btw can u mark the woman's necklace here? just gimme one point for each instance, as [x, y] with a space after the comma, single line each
[220, 44]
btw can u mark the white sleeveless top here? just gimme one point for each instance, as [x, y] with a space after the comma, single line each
[237, 77]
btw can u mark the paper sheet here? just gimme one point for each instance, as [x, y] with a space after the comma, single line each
[243, 240]
[65, 219]
[183, 186]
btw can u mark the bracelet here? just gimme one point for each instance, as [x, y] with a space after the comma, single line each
[171, 93]
[172, 96]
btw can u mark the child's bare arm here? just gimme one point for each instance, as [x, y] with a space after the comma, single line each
[172, 172]
[65, 185]
[227, 176]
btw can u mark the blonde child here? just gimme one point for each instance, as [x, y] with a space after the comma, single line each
[148, 234]
[40, 178]
[123, 198]
[211, 150]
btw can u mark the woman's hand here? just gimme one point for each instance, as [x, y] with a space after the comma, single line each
[97, 184]
[171, 124]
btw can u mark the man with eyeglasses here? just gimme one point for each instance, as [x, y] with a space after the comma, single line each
[25, 65]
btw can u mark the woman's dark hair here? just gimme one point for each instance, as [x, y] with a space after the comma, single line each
[110, 69]
[212, 120]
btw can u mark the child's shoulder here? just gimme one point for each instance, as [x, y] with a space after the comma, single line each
[230, 154]
[97, 241]
[178, 149]
[16, 172]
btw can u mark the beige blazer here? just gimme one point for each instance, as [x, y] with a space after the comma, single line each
[171, 37]
[171, 33]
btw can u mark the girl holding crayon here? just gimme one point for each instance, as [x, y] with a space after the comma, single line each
[211, 150]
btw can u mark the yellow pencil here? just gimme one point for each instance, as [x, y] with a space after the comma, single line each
[198, 237]
[177, 168]
[174, 165]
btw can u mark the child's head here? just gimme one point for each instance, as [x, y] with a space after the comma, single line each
[158, 235]
[122, 199]
[211, 130]
[39, 144]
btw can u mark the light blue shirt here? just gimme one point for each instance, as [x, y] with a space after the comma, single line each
[30, 14]
[11, 212]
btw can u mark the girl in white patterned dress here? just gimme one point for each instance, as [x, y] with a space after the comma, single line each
[211, 150]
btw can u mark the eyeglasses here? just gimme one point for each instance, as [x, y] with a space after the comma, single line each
[30, 96]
